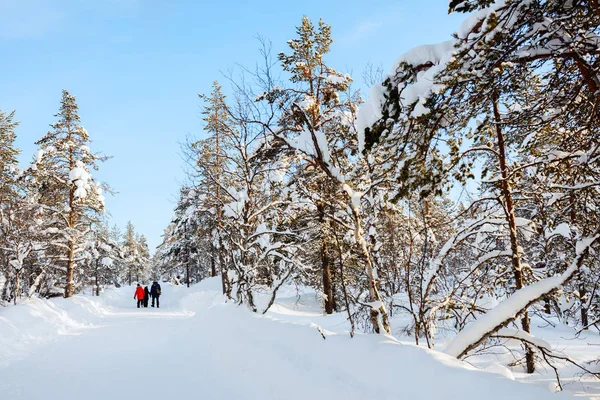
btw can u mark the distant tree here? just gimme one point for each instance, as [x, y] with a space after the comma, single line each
[136, 255]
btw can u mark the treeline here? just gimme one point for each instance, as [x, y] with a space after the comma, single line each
[54, 238]
[464, 193]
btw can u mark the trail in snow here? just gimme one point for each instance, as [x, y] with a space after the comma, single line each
[195, 346]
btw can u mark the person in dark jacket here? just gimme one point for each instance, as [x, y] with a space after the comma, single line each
[139, 295]
[146, 296]
[155, 293]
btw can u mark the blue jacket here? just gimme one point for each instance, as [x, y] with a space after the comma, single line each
[155, 289]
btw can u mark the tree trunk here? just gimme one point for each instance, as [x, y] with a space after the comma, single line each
[70, 270]
[17, 286]
[213, 267]
[71, 224]
[187, 266]
[97, 282]
[334, 284]
[224, 278]
[377, 309]
[325, 262]
[326, 269]
[584, 311]
[512, 225]
[343, 284]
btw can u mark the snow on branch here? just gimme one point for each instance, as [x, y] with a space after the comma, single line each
[507, 311]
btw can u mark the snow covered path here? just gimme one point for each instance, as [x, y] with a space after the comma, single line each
[197, 347]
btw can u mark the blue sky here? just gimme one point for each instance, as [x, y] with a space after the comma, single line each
[136, 67]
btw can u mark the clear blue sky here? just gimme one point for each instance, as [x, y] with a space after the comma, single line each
[136, 67]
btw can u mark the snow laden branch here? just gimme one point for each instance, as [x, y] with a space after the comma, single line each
[507, 311]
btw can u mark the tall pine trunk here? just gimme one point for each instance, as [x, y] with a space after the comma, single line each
[71, 255]
[326, 269]
[213, 267]
[17, 286]
[70, 270]
[187, 265]
[584, 311]
[512, 225]
[325, 261]
[97, 283]
[71, 222]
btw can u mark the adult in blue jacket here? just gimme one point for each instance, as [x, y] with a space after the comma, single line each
[155, 293]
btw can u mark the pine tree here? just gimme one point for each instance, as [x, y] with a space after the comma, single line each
[8, 156]
[317, 122]
[19, 228]
[8, 197]
[131, 254]
[306, 65]
[67, 191]
[212, 162]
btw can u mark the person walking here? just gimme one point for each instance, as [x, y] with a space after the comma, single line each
[139, 295]
[155, 293]
[146, 296]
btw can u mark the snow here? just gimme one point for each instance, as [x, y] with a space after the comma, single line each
[500, 369]
[39, 155]
[554, 197]
[307, 103]
[354, 195]
[504, 311]
[369, 113]
[562, 229]
[418, 91]
[233, 209]
[78, 173]
[196, 345]
[304, 143]
[337, 80]
[470, 22]
[510, 307]
[583, 244]
[80, 177]
[522, 335]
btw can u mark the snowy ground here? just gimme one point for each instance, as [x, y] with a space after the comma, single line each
[195, 345]
[583, 348]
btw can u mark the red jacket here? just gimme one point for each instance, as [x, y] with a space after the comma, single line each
[139, 293]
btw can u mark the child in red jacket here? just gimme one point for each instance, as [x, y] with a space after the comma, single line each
[139, 295]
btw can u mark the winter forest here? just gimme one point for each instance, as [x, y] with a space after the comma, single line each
[455, 206]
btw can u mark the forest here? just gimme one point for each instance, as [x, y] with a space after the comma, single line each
[458, 198]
